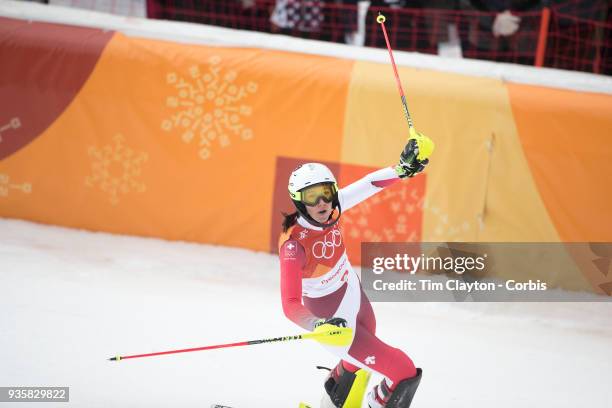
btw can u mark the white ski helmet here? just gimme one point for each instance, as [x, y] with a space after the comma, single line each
[307, 175]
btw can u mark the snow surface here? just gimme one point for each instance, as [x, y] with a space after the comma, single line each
[70, 299]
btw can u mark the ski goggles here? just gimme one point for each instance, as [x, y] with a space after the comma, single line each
[312, 194]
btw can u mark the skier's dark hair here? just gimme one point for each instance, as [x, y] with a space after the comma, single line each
[289, 221]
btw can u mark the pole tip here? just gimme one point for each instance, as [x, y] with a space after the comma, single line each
[380, 19]
[118, 358]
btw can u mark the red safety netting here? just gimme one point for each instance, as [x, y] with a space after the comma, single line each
[578, 35]
[578, 44]
[409, 29]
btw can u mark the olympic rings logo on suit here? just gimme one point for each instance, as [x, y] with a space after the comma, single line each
[325, 249]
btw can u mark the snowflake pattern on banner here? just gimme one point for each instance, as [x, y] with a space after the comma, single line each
[443, 229]
[115, 169]
[14, 123]
[209, 108]
[6, 186]
[402, 203]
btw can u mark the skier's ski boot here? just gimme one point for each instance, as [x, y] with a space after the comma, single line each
[382, 397]
[345, 389]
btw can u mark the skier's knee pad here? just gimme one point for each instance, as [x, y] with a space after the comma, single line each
[402, 395]
[346, 389]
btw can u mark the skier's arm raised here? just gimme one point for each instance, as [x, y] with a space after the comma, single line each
[374, 182]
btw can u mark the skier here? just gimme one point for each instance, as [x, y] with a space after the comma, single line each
[315, 270]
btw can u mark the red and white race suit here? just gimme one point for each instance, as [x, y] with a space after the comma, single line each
[318, 281]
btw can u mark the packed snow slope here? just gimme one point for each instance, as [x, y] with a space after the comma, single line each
[70, 299]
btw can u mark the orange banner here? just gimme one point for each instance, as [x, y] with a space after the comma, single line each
[196, 143]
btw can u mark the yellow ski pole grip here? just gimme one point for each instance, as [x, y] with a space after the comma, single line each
[425, 144]
[331, 335]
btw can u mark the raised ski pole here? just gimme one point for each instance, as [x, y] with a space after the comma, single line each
[380, 19]
[426, 145]
[331, 335]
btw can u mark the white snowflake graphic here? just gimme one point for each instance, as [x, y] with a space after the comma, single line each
[115, 169]
[14, 123]
[208, 107]
[6, 185]
[403, 203]
[444, 230]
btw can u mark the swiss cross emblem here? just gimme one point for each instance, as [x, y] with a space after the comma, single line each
[290, 250]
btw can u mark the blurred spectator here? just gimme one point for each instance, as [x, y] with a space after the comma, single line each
[501, 35]
[500, 30]
[255, 15]
[298, 17]
[402, 27]
[607, 50]
[352, 17]
[441, 33]
[227, 13]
